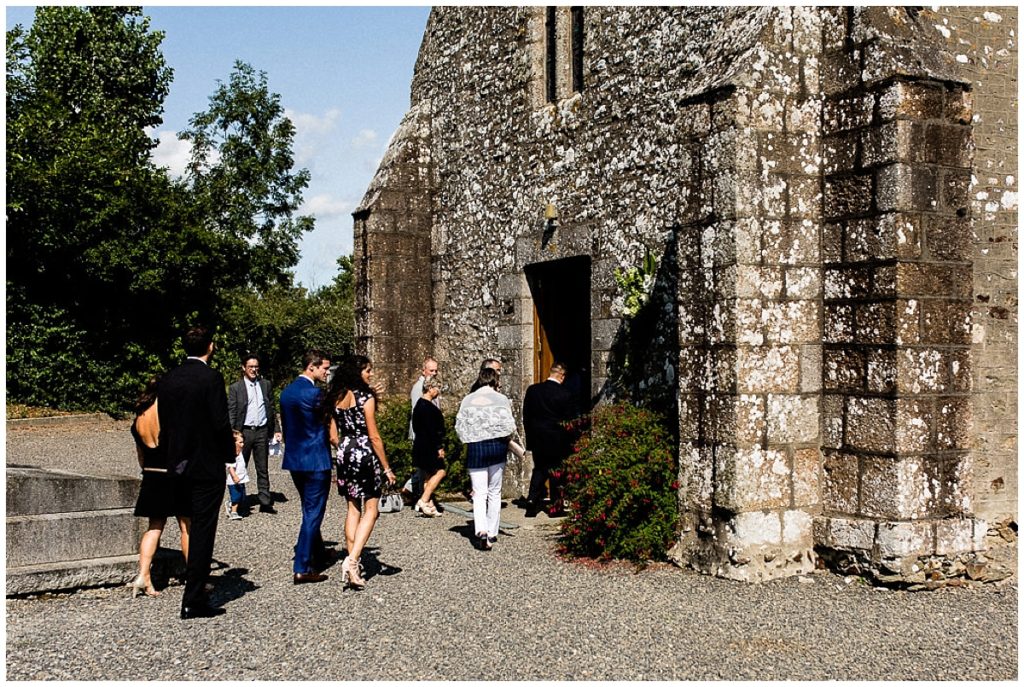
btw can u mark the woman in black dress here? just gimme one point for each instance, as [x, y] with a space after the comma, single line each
[162, 493]
[427, 448]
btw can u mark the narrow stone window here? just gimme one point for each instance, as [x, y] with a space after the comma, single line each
[556, 37]
[576, 14]
[551, 62]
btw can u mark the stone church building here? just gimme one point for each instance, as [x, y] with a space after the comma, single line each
[791, 230]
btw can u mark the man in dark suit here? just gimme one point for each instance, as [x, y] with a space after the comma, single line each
[194, 425]
[546, 406]
[307, 456]
[252, 413]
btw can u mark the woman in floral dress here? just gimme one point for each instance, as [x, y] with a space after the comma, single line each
[362, 465]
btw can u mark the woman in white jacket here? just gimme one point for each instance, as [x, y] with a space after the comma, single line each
[485, 424]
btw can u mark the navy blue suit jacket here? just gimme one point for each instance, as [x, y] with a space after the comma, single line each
[306, 447]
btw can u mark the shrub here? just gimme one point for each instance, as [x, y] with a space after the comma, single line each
[393, 425]
[620, 487]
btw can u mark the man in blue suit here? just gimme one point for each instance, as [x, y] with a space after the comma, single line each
[307, 456]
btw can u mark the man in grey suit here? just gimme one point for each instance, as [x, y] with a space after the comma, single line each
[252, 413]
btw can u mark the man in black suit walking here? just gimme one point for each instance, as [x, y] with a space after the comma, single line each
[546, 406]
[252, 413]
[193, 411]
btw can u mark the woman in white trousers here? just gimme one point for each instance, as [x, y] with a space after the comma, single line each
[485, 424]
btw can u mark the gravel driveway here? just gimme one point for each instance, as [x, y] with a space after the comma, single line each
[436, 609]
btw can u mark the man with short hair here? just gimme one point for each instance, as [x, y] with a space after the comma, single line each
[546, 407]
[194, 425]
[428, 371]
[307, 456]
[252, 413]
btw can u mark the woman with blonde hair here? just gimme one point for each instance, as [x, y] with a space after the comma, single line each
[428, 446]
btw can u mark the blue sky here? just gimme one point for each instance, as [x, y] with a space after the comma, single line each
[343, 74]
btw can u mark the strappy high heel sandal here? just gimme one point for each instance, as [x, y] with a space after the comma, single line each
[139, 586]
[350, 574]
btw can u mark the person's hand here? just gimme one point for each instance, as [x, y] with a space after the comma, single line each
[379, 387]
[390, 475]
[440, 453]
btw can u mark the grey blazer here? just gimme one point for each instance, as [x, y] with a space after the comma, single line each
[238, 401]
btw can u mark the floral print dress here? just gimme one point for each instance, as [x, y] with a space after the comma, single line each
[360, 474]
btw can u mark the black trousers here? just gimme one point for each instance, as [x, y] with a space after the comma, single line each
[255, 445]
[543, 465]
[206, 503]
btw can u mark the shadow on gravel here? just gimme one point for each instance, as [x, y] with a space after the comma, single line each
[373, 566]
[231, 585]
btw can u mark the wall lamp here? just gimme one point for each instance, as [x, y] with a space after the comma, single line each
[551, 215]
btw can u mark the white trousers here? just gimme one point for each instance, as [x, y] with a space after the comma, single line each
[487, 498]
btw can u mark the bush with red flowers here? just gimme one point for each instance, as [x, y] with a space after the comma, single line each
[620, 486]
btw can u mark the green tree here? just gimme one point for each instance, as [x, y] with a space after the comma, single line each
[283, 321]
[83, 84]
[245, 193]
[331, 322]
[109, 258]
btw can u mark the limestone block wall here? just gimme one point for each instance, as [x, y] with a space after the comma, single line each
[824, 325]
[897, 285]
[984, 41]
[392, 257]
[612, 159]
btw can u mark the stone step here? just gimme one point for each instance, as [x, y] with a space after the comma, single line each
[35, 491]
[57, 537]
[70, 575]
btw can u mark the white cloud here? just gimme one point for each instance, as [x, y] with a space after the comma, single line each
[366, 138]
[320, 249]
[325, 206]
[311, 132]
[313, 125]
[171, 152]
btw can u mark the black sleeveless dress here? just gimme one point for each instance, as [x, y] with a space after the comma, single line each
[163, 493]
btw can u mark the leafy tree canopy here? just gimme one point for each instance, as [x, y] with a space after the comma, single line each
[240, 175]
[108, 258]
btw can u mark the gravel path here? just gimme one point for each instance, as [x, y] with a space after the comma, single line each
[436, 609]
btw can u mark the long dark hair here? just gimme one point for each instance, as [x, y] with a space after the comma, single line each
[487, 377]
[347, 377]
[147, 397]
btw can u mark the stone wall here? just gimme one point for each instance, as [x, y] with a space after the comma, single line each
[750, 383]
[803, 179]
[392, 257]
[897, 276]
[985, 43]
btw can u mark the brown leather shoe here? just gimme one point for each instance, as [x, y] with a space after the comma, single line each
[306, 578]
